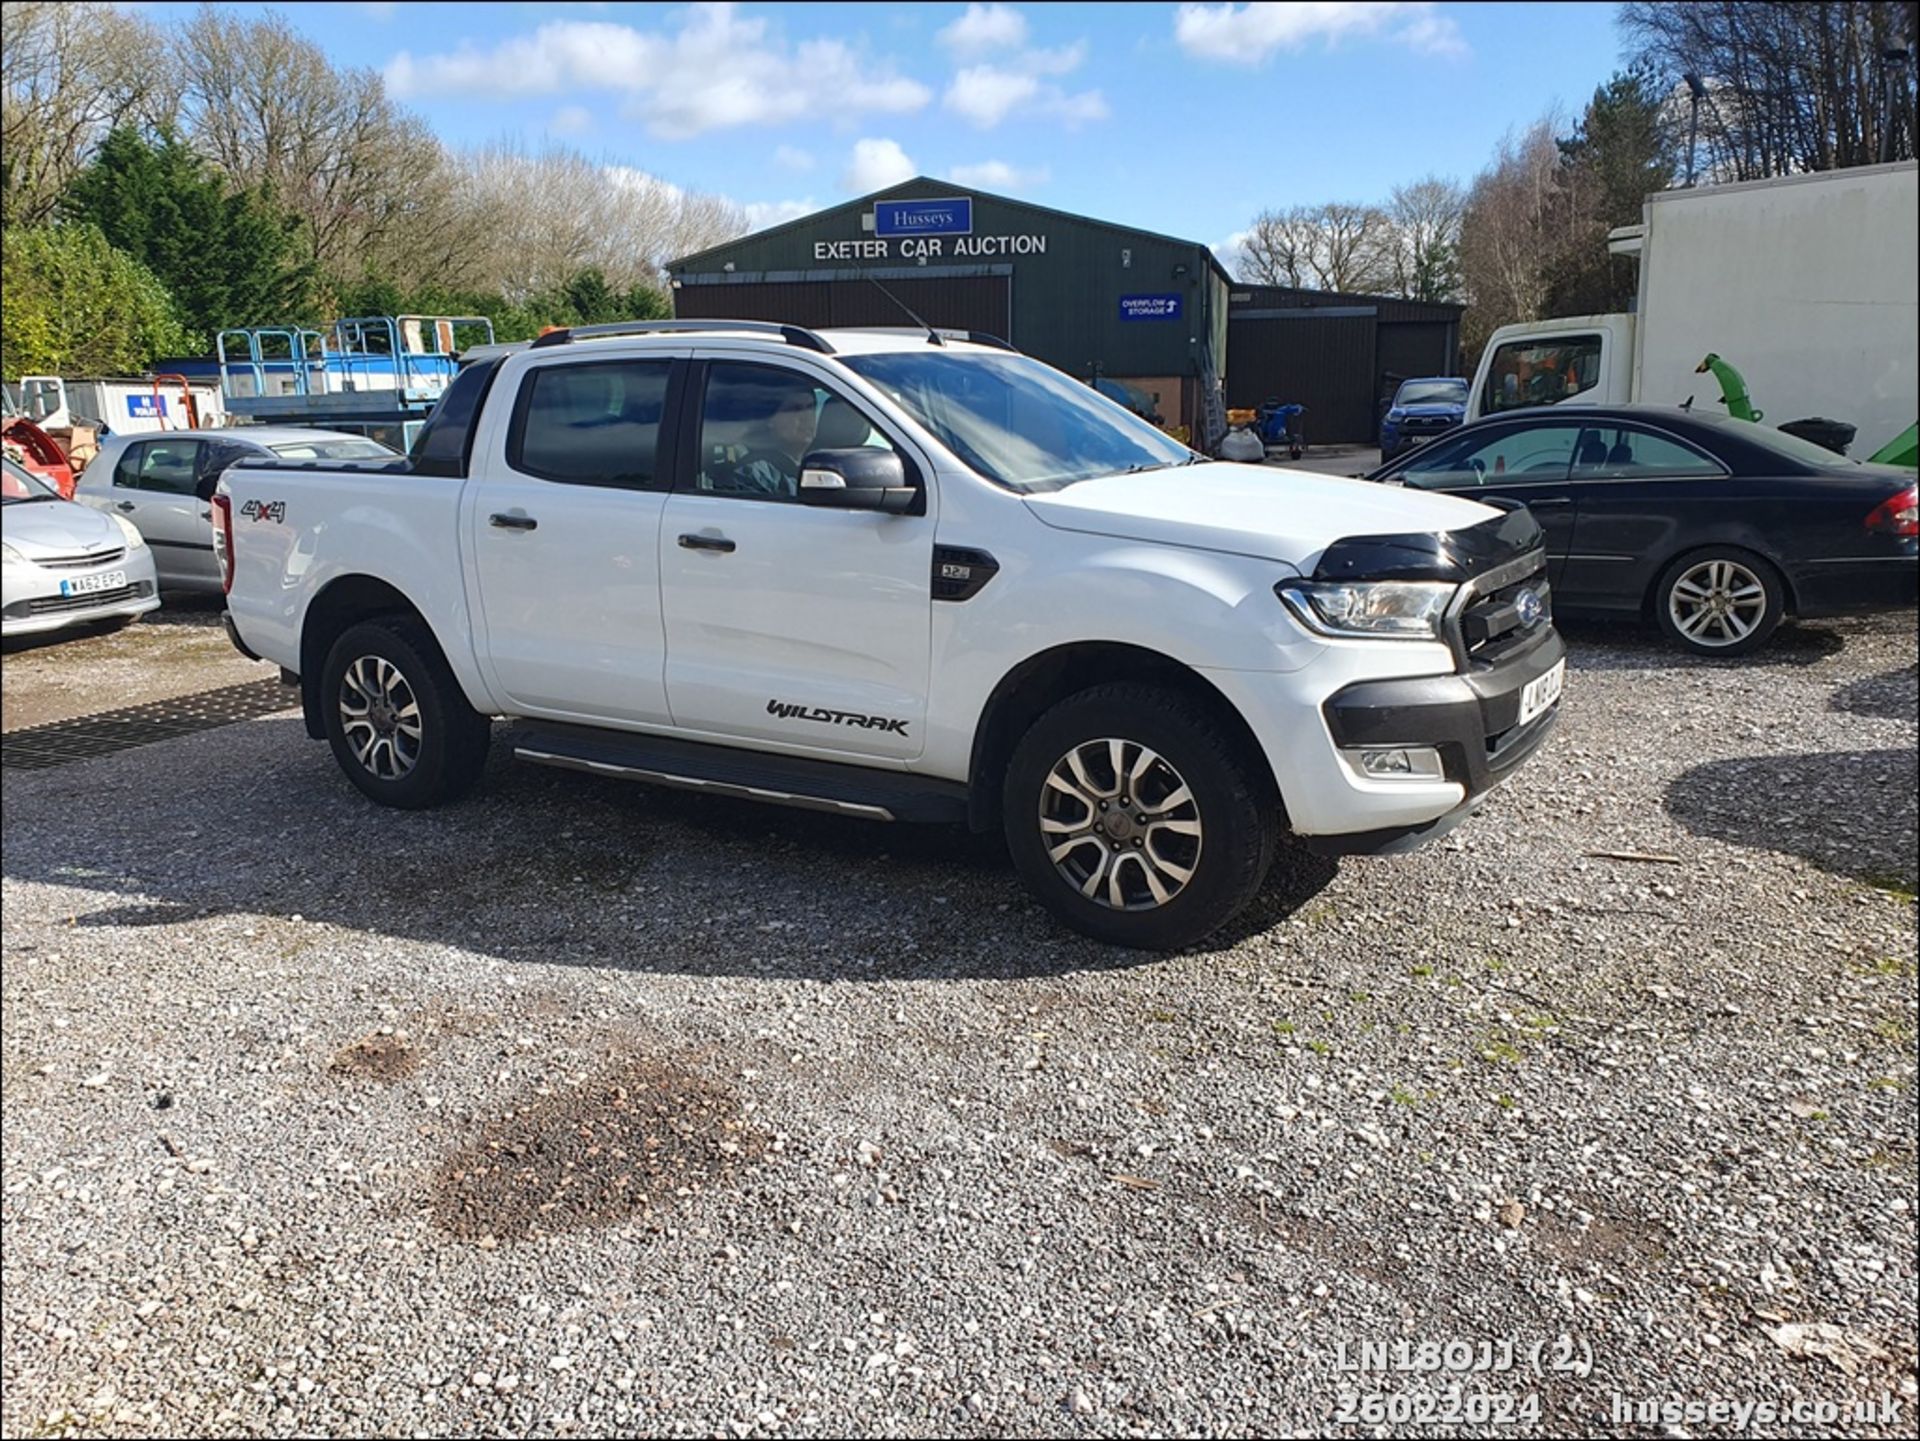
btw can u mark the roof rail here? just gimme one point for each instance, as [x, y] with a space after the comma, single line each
[972, 337]
[792, 334]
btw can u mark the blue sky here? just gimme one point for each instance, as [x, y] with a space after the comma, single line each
[1186, 119]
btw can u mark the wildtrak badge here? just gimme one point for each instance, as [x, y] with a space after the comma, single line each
[787, 710]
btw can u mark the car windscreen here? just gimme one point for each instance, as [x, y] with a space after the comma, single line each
[23, 484]
[1017, 422]
[335, 449]
[1432, 392]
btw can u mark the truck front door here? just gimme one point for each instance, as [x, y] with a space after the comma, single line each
[562, 519]
[788, 624]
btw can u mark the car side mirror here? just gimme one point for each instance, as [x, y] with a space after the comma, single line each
[1399, 479]
[860, 478]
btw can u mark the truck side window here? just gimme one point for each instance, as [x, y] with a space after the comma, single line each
[591, 423]
[757, 422]
[1541, 372]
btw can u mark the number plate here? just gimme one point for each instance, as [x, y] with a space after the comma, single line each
[1542, 692]
[89, 584]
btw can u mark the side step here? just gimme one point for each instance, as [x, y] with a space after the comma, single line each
[876, 795]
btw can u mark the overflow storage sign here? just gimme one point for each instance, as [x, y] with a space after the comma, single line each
[1150, 307]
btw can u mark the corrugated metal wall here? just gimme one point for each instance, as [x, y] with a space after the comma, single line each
[1324, 362]
[974, 302]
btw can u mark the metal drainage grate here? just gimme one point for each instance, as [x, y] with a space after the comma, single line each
[61, 742]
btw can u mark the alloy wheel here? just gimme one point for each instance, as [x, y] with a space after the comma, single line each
[1717, 603]
[381, 717]
[1120, 825]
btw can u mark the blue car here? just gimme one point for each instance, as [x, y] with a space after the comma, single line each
[1422, 409]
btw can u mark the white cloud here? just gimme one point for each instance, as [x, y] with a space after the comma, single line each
[987, 94]
[570, 120]
[998, 175]
[764, 214]
[984, 28]
[1249, 34]
[876, 164]
[790, 157]
[715, 71]
[1231, 251]
[379, 11]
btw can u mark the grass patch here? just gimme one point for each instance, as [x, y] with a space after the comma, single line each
[1891, 883]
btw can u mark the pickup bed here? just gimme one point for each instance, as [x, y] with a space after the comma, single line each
[905, 575]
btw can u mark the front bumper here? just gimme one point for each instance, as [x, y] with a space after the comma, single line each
[1471, 720]
[33, 604]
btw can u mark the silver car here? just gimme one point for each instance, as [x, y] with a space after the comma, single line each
[64, 564]
[162, 484]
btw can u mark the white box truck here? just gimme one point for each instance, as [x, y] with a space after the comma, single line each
[1805, 284]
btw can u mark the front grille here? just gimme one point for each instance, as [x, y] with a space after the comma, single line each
[1427, 425]
[1490, 627]
[60, 604]
[75, 562]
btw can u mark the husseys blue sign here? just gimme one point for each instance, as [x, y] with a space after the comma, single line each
[924, 217]
[1150, 307]
[146, 407]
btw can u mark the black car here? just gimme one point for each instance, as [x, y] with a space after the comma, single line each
[1714, 528]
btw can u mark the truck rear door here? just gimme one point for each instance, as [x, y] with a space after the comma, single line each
[561, 515]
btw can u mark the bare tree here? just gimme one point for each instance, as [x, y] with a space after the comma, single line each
[69, 73]
[1792, 85]
[542, 217]
[1336, 246]
[1508, 240]
[267, 106]
[1423, 245]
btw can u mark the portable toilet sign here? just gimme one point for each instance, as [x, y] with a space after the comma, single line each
[953, 216]
[1150, 307]
[147, 407]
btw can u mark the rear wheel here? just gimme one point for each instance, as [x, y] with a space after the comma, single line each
[396, 718]
[1722, 601]
[1133, 817]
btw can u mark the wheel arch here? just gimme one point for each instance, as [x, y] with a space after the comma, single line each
[1650, 602]
[1044, 679]
[346, 601]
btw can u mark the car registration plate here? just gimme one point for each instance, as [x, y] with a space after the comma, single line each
[1541, 692]
[91, 584]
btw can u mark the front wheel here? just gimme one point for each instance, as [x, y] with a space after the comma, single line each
[1721, 602]
[1133, 816]
[399, 725]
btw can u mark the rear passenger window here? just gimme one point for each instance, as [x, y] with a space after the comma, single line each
[1613, 452]
[595, 423]
[166, 466]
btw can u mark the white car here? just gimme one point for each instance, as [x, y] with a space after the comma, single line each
[903, 576]
[161, 482]
[66, 565]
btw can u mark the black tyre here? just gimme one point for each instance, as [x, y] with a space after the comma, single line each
[1722, 601]
[396, 718]
[1132, 814]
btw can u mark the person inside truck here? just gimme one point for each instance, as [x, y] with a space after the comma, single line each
[772, 462]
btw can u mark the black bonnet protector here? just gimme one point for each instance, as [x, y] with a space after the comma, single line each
[1455, 555]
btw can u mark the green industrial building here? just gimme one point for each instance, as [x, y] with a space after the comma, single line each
[1143, 314]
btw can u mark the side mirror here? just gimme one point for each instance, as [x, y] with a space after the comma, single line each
[1400, 479]
[860, 478]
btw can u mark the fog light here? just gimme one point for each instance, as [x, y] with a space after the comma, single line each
[1402, 762]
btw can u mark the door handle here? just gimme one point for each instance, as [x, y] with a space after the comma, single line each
[1550, 502]
[206, 515]
[707, 542]
[123, 505]
[513, 522]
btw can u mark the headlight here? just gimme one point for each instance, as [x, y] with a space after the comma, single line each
[132, 532]
[1373, 609]
[1396, 415]
[11, 556]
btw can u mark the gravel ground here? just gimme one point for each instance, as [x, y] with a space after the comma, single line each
[177, 650]
[581, 1108]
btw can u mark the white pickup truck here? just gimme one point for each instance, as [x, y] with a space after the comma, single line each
[905, 575]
